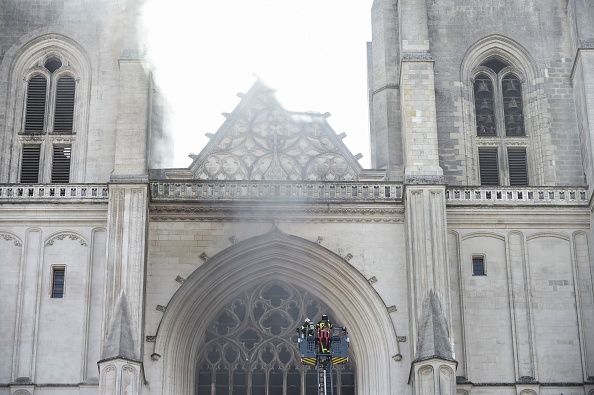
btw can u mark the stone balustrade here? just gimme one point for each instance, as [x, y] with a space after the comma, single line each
[278, 191]
[18, 193]
[516, 195]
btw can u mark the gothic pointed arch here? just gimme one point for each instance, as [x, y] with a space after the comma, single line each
[45, 139]
[260, 140]
[506, 133]
[280, 257]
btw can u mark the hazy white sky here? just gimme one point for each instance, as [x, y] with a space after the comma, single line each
[312, 52]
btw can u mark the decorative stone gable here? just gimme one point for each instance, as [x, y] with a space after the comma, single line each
[262, 141]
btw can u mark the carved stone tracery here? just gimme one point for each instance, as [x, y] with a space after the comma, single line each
[9, 237]
[63, 236]
[253, 340]
[269, 143]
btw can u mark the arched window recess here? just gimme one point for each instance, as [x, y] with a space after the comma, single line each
[49, 85]
[50, 97]
[500, 124]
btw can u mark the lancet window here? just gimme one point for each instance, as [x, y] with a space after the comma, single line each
[500, 126]
[49, 113]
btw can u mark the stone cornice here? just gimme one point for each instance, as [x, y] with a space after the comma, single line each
[304, 213]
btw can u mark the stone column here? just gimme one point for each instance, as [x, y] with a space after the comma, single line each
[433, 368]
[126, 244]
[581, 15]
[23, 370]
[386, 137]
[121, 364]
[417, 91]
[520, 308]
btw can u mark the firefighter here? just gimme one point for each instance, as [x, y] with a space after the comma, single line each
[305, 328]
[325, 335]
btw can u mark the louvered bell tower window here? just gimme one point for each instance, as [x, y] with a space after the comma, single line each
[64, 108]
[30, 164]
[489, 169]
[61, 164]
[484, 106]
[518, 166]
[500, 126]
[35, 114]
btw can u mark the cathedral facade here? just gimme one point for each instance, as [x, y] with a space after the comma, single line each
[460, 262]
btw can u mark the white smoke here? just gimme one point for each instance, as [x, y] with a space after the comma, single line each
[311, 52]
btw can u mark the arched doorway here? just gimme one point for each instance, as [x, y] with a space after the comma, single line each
[250, 347]
[274, 258]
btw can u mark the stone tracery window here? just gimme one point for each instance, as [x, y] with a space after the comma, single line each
[48, 96]
[500, 128]
[250, 348]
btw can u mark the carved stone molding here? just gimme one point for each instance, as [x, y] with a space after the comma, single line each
[586, 44]
[372, 280]
[161, 308]
[417, 57]
[319, 213]
[273, 218]
[425, 180]
[62, 236]
[178, 209]
[8, 237]
[392, 309]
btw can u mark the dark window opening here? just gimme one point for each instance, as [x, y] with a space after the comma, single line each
[489, 169]
[513, 106]
[30, 164]
[64, 109]
[35, 113]
[518, 166]
[478, 266]
[495, 64]
[58, 282]
[61, 164]
[484, 106]
[53, 64]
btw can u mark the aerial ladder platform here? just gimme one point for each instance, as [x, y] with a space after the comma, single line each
[322, 345]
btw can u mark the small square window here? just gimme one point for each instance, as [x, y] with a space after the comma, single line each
[58, 275]
[478, 266]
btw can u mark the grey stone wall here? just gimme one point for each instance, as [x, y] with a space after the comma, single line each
[542, 28]
[96, 27]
